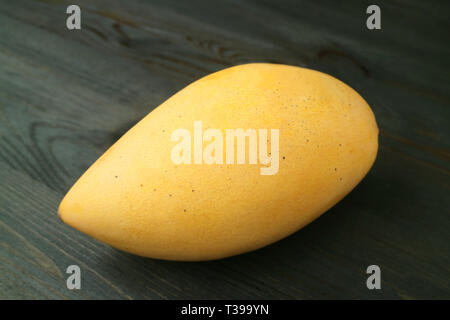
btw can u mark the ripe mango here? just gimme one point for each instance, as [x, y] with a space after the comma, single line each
[135, 198]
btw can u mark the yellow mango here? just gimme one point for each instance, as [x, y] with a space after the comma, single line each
[137, 198]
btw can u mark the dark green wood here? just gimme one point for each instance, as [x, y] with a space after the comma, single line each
[66, 96]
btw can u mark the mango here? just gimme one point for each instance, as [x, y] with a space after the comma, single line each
[188, 183]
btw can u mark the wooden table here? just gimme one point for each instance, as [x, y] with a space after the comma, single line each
[66, 96]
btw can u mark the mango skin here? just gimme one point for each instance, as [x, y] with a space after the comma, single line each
[136, 199]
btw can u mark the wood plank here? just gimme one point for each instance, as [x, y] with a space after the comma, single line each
[66, 96]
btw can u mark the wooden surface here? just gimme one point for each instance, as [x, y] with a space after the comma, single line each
[66, 96]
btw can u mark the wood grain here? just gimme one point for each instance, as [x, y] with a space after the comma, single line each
[66, 96]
